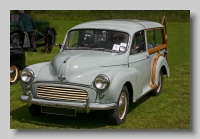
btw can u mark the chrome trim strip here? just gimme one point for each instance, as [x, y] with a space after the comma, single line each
[86, 106]
[63, 83]
[138, 60]
[115, 65]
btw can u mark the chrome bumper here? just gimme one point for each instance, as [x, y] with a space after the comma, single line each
[50, 103]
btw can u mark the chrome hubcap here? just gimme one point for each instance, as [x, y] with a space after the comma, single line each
[13, 73]
[122, 105]
[159, 84]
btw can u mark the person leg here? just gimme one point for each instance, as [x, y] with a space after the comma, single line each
[32, 40]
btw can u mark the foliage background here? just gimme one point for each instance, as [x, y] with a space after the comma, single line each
[87, 15]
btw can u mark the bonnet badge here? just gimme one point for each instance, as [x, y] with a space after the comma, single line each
[61, 77]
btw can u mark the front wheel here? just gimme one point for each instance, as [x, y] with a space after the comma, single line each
[118, 115]
[14, 74]
[158, 89]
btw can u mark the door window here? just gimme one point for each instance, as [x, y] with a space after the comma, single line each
[138, 44]
[154, 38]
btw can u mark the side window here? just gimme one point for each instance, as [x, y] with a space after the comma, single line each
[158, 37]
[138, 43]
[154, 38]
[73, 38]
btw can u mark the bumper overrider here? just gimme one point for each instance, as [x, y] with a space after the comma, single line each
[87, 106]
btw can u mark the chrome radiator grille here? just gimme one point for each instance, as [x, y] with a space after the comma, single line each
[62, 93]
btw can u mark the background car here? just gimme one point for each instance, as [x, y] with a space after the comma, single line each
[43, 28]
[17, 61]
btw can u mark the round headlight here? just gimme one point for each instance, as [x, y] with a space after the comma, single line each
[101, 82]
[27, 75]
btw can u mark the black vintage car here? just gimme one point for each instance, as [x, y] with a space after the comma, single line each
[17, 61]
[43, 28]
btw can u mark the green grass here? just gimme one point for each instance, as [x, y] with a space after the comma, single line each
[170, 110]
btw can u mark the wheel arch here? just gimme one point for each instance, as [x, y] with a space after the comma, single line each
[21, 34]
[127, 77]
[49, 29]
[130, 90]
[19, 66]
[162, 65]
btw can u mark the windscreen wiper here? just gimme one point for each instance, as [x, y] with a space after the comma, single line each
[78, 48]
[102, 49]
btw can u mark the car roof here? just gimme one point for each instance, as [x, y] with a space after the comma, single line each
[126, 25]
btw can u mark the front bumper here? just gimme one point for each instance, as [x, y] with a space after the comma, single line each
[83, 106]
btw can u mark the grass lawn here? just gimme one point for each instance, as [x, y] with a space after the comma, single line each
[170, 110]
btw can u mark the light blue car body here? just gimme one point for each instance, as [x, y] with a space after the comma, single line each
[80, 67]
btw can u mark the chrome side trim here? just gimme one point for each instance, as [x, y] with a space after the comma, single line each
[138, 60]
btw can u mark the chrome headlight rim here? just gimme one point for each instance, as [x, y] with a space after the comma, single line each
[105, 78]
[29, 73]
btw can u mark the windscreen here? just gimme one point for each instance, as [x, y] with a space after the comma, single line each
[102, 39]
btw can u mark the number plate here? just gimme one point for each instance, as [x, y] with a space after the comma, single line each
[58, 111]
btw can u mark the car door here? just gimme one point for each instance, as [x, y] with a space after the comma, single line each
[139, 59]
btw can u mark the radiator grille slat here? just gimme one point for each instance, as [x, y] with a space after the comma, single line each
[62, 93]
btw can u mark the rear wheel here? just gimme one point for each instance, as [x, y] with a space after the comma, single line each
[118, 115]
[158, 89]
[15, 38]
[52, 33]
[34, 110]
[14, 74]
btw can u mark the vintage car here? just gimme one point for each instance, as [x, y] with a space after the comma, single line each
[102, 65]
[17, 61]
[43, 28]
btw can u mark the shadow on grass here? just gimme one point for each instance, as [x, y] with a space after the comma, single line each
[95, 119]
[92, 120]
[132, 106]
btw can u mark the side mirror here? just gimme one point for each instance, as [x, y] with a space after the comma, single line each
[60, 45]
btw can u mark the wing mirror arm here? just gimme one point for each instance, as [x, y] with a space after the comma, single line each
[60, 45]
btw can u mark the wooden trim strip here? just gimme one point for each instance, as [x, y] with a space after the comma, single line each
[158, 28]
[154, 67]
[153, 86]
[156, 49]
